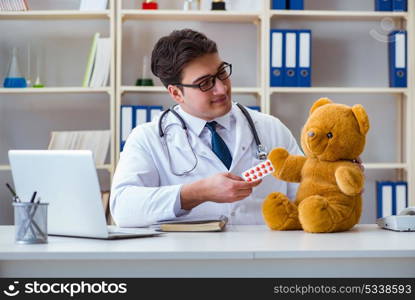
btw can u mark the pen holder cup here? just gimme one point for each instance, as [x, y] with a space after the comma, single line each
[31, 222]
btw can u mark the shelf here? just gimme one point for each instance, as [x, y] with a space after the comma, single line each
[55, 14]
[246, 90]
[99, 167]
[339, 15]
[340, 90]
[54, 90]
[162, 89]
[179, 15]
[383, 166]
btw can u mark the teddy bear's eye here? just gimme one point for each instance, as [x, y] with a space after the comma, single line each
[329, 135]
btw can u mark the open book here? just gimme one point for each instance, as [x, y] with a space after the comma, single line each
[193, 224]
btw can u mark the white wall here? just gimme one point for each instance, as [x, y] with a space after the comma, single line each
[344, 54]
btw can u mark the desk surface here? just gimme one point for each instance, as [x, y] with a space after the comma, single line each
[237, 242]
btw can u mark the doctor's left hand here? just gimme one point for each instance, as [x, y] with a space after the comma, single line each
[221, 188]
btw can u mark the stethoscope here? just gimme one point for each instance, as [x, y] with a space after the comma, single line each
[261, 153]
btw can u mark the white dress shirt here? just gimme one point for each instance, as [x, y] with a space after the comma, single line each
[224, 128]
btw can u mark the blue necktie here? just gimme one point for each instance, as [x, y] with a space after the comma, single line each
[218, 145]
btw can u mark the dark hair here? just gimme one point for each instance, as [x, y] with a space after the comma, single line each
[171, 53]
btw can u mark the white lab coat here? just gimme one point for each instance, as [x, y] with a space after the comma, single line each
[144, 189]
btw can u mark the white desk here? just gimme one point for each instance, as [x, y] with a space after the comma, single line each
[241, 251]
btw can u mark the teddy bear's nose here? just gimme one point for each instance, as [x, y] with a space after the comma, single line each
[311, 133]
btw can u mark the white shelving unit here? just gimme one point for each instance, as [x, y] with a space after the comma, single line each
[377, 166]
[203, 16]
[404, 165]
[109, 91]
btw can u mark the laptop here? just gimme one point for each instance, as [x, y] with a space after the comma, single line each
[68, 181]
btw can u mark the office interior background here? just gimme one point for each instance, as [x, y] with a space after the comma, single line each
[349, 65]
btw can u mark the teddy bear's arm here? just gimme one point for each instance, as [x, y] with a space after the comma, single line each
[350, 180]
[287, 167]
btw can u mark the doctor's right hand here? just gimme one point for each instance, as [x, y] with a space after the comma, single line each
[221, 188]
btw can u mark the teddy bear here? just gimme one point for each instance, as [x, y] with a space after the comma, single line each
[329, 196]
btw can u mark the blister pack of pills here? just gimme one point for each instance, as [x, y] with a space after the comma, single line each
[259, 171]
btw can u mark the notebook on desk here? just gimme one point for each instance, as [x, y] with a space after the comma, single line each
[68, 181]
[191, 224]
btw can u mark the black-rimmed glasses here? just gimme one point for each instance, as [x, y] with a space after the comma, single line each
[209, 82]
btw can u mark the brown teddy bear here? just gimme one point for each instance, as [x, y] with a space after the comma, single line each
[331, 182]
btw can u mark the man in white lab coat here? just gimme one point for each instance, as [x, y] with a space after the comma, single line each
[196, 171]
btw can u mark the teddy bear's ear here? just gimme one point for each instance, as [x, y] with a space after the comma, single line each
[318, 103]
[362, 118]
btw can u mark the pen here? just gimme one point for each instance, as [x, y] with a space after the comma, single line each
[33, 197]
[30, 222]
[15, 197]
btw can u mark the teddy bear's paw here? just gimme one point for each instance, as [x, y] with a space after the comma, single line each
[314, 214]
[350, 180]
[278, 156]
[279, 213]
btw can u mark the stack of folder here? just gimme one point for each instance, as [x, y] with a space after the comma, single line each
[288, 4]
[392, 197]
[134, 115]
[398, 58]
[290, 58]
[391, 5]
